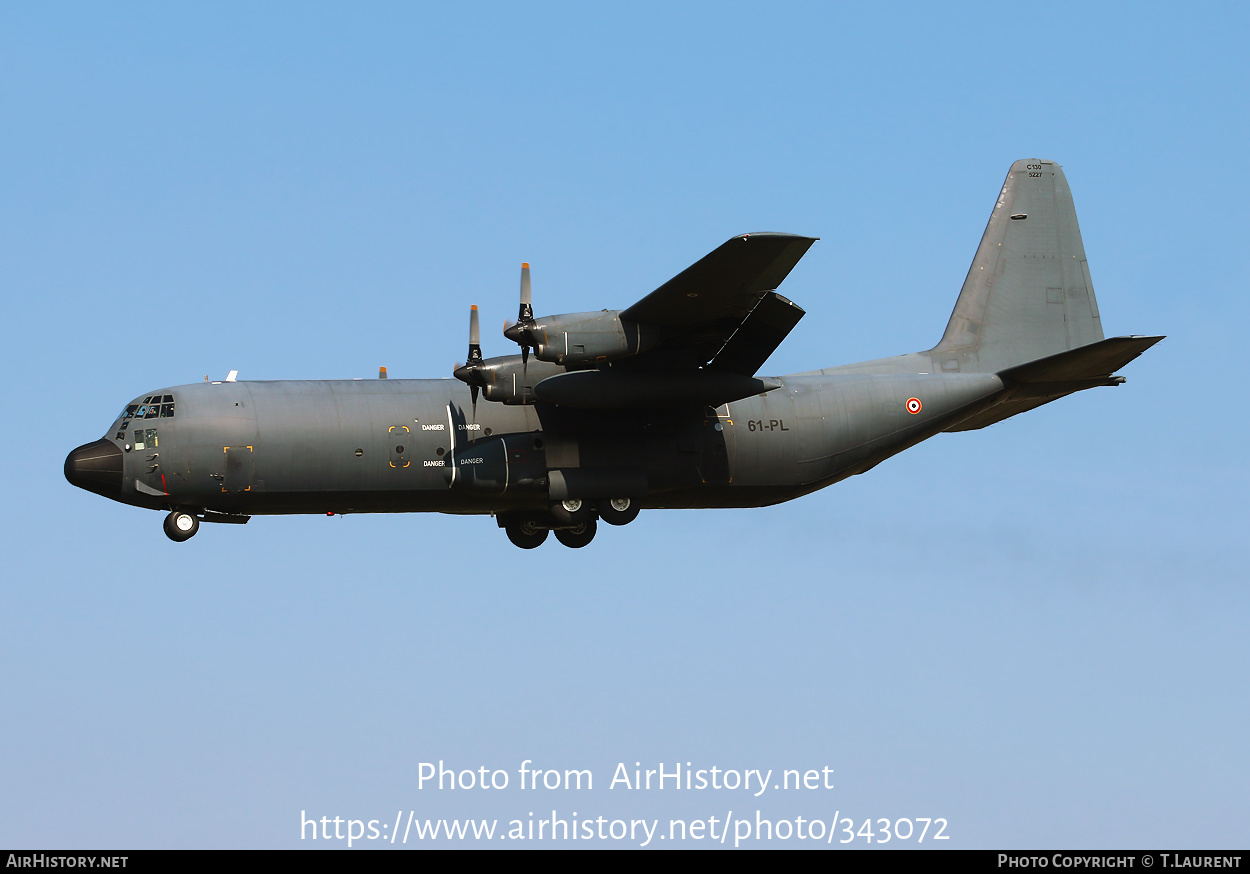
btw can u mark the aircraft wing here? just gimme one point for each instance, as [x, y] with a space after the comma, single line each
[723, 311]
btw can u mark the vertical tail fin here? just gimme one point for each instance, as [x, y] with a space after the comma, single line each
[1028, 293]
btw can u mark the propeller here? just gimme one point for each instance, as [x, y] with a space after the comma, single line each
[519, 333]
[471, 372]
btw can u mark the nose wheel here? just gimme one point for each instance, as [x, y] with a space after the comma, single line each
[181, 525]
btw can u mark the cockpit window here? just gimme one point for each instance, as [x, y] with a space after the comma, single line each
[153, 407]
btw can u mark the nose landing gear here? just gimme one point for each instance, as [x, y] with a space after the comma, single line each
[181, 525]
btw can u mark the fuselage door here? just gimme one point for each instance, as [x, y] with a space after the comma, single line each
[714, 449]
[238, 476]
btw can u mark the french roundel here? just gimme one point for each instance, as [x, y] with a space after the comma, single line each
[914, 406]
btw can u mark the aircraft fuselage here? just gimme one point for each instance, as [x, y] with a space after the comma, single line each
[398, 445]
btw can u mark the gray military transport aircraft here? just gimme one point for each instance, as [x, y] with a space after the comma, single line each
[607, 413]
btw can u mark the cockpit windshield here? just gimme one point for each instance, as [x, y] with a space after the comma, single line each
[151, 407]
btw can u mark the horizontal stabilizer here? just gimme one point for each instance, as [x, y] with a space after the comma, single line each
[1047, 379]
[758, 336]
[1097, 360]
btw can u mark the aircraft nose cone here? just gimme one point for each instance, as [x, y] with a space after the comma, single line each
[96, 467]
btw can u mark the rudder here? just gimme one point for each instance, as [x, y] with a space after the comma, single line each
[1028, 292]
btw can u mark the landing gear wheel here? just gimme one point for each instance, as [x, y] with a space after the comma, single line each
[618, 511]
[181, 525]
[526, 535]
[574, 511]
[577, 536]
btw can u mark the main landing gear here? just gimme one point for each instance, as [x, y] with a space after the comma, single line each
[526, 535]
[573, 521]
[618, 511]
[181, 525]
[577, 536]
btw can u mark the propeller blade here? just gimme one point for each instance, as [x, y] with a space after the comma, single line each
[525, 318]
[526, 313]
[475, 339]
[475, 357]
[471, 371]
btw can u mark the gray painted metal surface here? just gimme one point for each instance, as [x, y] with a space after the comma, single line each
[653, 406]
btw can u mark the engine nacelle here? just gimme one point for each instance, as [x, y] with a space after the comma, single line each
[587, 338]
[506, 380]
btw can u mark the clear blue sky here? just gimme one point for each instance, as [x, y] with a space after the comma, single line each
[1036, 631]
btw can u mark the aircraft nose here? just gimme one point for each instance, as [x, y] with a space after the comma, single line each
[96, 467]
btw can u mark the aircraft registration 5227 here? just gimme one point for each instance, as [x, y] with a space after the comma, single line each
[604, 414]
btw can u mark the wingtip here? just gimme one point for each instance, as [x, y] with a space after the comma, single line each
[773, 234]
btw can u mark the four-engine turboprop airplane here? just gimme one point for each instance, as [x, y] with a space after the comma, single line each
[607, 413]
